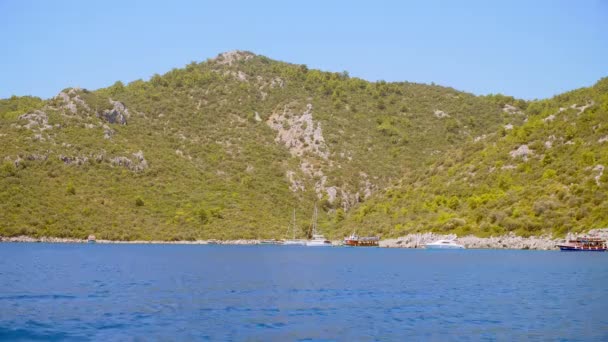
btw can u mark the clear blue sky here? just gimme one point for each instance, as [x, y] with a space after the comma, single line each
[528, 49]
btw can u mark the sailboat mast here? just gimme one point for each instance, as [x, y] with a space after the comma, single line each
[293, 227]
[314, 220]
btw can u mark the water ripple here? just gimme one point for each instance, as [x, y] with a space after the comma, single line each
[97, 292]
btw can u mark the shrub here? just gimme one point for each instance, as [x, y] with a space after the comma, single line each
[71, 189]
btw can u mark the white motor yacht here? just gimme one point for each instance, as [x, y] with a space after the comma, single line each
[444, 244]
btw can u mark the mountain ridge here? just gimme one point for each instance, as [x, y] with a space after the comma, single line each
[227, 147]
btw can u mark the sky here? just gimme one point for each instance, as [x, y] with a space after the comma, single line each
[526, 49]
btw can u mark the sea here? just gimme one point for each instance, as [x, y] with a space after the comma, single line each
[81, 292]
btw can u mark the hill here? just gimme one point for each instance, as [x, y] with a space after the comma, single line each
[226, 148]
[544, 176]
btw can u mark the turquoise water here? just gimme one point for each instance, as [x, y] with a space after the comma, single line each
[195, 292]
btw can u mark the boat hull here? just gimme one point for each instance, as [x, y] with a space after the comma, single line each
[357, 243]
[581, 249]
[294, 243]
[318, 244]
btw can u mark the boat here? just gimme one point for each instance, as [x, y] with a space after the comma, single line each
[443, 244]
[584, 244]
[318, 240]
[270, 242]
[91, 239]
[355, 240]
[293, 241]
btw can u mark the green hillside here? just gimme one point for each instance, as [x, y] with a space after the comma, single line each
[545, 176]
[228, 147]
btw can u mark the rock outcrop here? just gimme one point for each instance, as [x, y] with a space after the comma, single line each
[522, 151]
[299, 132]
[230, 57]
[441, 114]
[71, 100]
[138, 163]
[509, 109]
[117, 115]
[38, 120]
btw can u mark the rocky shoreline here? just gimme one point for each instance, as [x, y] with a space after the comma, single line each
[29, 239]
[510, 241]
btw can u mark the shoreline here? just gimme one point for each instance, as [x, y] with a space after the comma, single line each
[29, 239]
[510, 241]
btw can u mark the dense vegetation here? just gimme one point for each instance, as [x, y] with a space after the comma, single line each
[494, 186]
[228, 147]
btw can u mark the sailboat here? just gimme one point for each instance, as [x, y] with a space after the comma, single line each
[318, 240]
[294, 241]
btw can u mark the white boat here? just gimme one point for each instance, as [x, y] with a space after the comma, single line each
[444, 244]
[318, 240]
[293, 241]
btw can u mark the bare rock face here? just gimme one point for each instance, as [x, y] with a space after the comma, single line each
[71, 101]
[138, 163]
[549, 118]
[599, 232]
[299, 132]
[522, 151]
[107, 132]
[509, 109]
[36, 120]
[441, 114]
[600, 172]
[118, 114]
[73, 160]
[230, 57]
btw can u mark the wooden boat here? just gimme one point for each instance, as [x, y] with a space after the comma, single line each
[355, 240]
[584, 244]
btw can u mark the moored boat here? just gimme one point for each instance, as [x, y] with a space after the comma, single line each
[444, 244]
[271, 242]
[584, 244]
[355, 240]
[318, 240]
[293, 241]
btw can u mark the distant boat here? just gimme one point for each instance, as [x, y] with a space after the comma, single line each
[584, 244]
[443, 244]
[318, 240]
[91, 239]
[355, 240]
[270, 242]
[293, 241]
